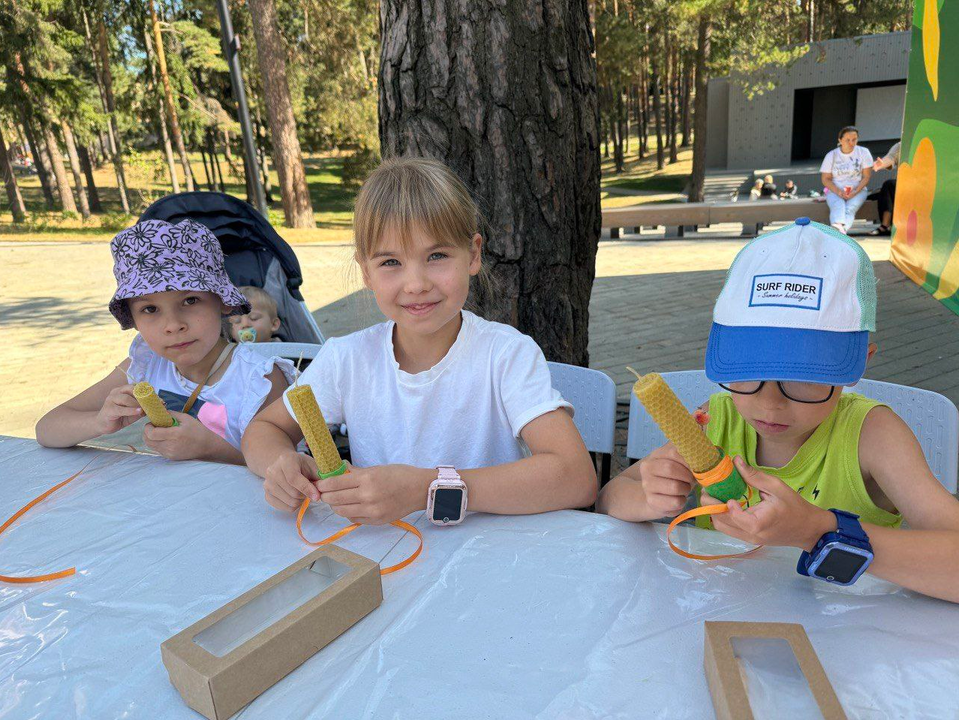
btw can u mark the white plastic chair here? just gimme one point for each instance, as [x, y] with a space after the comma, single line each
[593, 395]
[931, 416]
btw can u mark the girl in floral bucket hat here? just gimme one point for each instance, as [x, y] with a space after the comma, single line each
[173, 288]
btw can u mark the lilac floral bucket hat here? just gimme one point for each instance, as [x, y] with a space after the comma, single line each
[156, 256]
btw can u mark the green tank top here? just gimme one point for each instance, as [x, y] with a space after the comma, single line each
[826, 469]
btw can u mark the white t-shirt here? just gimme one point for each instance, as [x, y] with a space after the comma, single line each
[847, 170]
[227, 406]
[466, 411]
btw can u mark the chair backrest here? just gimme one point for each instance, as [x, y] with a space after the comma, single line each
[593, 395]
[931, 416]
[290, 350]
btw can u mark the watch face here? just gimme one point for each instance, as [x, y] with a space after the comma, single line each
[446, 504]
[840, 566]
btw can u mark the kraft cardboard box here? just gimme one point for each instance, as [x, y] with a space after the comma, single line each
[222, 662]
[725, 674]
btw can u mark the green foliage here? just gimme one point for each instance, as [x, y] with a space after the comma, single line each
[358, 166]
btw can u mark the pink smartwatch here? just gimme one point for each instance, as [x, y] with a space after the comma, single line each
[447, 497]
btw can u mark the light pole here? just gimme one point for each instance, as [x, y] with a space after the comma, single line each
[231, 50]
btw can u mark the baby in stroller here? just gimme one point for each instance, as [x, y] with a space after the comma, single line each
[258, 325]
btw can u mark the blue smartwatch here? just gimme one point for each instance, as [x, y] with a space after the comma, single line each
[839, 557]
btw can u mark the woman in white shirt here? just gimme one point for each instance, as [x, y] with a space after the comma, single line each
[845, 172]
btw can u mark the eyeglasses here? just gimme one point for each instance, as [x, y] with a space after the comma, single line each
[801, 392]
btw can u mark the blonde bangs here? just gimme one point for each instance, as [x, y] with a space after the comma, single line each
[410, 195]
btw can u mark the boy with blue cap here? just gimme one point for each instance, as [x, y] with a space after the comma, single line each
[836, 472]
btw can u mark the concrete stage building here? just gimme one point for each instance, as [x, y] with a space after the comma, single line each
[849, 81]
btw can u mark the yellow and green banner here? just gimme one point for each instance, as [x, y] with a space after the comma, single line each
[925, 216]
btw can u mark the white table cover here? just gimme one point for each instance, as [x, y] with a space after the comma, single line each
[561, 615]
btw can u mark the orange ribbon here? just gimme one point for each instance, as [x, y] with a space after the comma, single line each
[19, 513]
[350, 528]
[717, 509]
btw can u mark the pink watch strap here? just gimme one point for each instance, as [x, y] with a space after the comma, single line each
[447, 472]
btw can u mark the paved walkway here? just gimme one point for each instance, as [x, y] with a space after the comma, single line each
[651, 309]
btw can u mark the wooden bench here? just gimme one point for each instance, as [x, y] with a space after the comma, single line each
[749, 213]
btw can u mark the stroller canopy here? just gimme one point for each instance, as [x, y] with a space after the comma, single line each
[254, 253]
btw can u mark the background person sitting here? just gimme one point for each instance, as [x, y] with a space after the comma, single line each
[789, 191]
[888, 190]
[768, 190]
[755, 190]
[845, 172]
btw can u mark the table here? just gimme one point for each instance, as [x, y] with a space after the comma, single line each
[560, 615]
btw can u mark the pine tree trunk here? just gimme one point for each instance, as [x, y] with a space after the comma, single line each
[168, 96]
[687, 117]
[44, 171]
[263, 156]
[657, 110]
[294, 193]
[161, 113]
[116, 146]
[638, 114]
[645, 103]
[216, 160]
[700, 111]
[518, 121]
[108, 147]
[668, 97]
[672, 74]
[627, 107]
[206, 168]
[75, 169]
[67, 201]
[616, 140]
[14, 197]
[92, 195]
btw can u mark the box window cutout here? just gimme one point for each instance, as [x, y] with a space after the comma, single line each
[246, 622]
[776, 686]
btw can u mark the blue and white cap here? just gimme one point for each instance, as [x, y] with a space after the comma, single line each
[798, 304]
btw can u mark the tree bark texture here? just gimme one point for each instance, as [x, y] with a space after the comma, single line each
[271, 55]
[75, 168]
[699, 171]
[14, 197]
[92, 195]
[506, 95]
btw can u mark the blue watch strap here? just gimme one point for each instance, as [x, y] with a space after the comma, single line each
[848, 525]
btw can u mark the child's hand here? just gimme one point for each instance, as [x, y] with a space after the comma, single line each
[190, 440]
[119, 410]
[289, 480]
[666, 481]
[782, 517]
[377, 495]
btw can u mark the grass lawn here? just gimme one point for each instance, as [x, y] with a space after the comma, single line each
[639, 183]
[147, 181]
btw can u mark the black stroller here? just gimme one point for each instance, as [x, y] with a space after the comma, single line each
[254, 254]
